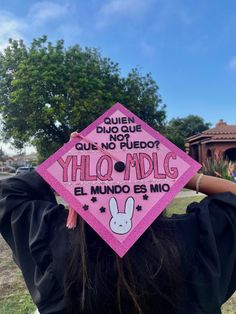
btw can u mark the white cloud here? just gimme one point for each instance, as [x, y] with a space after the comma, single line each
[123, 7]
[41, 12]
[10, 27]
[232, 63]
[120, 8]
[163, 12]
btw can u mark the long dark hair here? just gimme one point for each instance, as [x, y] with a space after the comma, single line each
[148, 279]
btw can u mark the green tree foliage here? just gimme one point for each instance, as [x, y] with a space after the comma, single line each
[178, 129]
[3, 157]
[47, 91]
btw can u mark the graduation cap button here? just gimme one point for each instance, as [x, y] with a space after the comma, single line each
[119, 166]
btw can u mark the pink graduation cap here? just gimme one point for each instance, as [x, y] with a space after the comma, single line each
[119, 175]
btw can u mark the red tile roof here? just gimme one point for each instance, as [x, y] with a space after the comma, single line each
[222, 131]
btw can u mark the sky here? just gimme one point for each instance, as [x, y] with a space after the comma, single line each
[188, 46]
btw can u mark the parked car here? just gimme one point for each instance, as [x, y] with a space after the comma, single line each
[7, 169]
[24, 169]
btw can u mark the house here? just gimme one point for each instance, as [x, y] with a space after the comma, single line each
[22, 160]
[213, 143]
[9, 161]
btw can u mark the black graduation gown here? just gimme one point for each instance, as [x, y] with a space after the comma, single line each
[33, 225]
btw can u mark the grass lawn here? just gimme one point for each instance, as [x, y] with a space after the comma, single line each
[14, 297]
[179, 205]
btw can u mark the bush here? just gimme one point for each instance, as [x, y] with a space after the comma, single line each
[218, 167]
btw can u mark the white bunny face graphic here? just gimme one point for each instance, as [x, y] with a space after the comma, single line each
[121, 223]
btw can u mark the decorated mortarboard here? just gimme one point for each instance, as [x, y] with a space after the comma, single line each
[119, 174]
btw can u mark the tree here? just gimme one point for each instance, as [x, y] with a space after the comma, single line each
[47, 91]
[178, 129]
[3, 156]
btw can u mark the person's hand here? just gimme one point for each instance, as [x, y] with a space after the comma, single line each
[74, 135]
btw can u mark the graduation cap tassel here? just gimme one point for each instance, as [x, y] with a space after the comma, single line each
[71, 219]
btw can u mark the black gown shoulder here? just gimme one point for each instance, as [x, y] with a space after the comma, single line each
[212, 277]
[33, 225]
